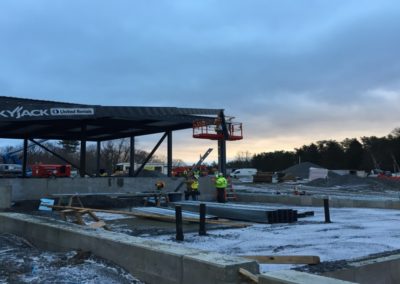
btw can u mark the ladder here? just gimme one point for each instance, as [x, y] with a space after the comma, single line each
[230, 192]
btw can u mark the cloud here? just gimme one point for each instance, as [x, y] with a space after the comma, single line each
[286, 69]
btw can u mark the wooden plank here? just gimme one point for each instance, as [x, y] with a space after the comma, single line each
[63, 217]
[98, 224]
[79, 219]
[79, 201]
[285, 259]
[94, 216]
[70, 200]
[249, 275]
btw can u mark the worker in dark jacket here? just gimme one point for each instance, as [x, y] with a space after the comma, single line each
[221, 183]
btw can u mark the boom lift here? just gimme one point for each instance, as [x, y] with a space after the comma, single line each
[206, 130]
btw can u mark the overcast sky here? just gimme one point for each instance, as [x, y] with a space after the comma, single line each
[294, 72]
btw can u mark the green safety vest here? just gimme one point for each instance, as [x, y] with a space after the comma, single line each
[195, 185]
[221, 182]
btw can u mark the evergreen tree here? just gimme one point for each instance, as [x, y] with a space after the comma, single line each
[69, 146]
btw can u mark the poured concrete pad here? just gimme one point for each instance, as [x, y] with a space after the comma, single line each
[150, 261]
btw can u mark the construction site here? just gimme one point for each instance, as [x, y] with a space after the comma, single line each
[314, 226]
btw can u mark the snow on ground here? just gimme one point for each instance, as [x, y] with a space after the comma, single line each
[354, 191]
[111, 216]
[353, 233]
[20, 262]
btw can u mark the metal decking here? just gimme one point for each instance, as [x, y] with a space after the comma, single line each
[170, 212]
[251, 213]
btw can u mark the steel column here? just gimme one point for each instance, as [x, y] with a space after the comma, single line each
[222, 156]
[83, 152]
[132, 156]
[169, 153]
[25, 157]
[98, 158]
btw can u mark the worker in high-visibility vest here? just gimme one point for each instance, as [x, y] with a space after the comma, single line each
[194, 188]
[221, 183]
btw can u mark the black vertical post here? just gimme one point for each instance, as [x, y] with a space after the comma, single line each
[98, 153]
[132, 157]
[326, 209]
[169, 153]
[178, 221]
[83, 152]
[222, 143]
[223, 157]
[25, 158]
[202, 228]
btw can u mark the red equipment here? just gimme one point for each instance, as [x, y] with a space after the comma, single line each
[213, 131]
[46, 170]
[182, 171]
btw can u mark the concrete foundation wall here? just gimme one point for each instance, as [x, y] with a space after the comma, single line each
[384, 270]
[150, 261]
[317, 201]
[297, 277]
[5, 197]
[36, 188]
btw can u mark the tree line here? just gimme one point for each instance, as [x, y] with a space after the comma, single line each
[366, 153]
[112, 152]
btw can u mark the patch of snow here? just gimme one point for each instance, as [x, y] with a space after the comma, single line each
[111, 216]
[353, 233]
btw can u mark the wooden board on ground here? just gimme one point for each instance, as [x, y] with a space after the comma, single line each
[285, 259]
[98, 224]
[249, 275]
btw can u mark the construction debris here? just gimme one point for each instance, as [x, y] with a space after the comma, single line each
[248, 275]
[78, 214]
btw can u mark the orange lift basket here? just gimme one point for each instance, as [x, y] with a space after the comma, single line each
[206, 130]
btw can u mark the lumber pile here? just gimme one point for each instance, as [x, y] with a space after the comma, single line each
[78, 214]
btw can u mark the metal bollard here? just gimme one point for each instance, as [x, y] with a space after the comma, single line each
[202, 228]
[326, 209]
[178, 221]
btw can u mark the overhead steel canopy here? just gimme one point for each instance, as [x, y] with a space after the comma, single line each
[38, 119]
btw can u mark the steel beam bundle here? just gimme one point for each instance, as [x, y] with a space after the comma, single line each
[250, 213]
